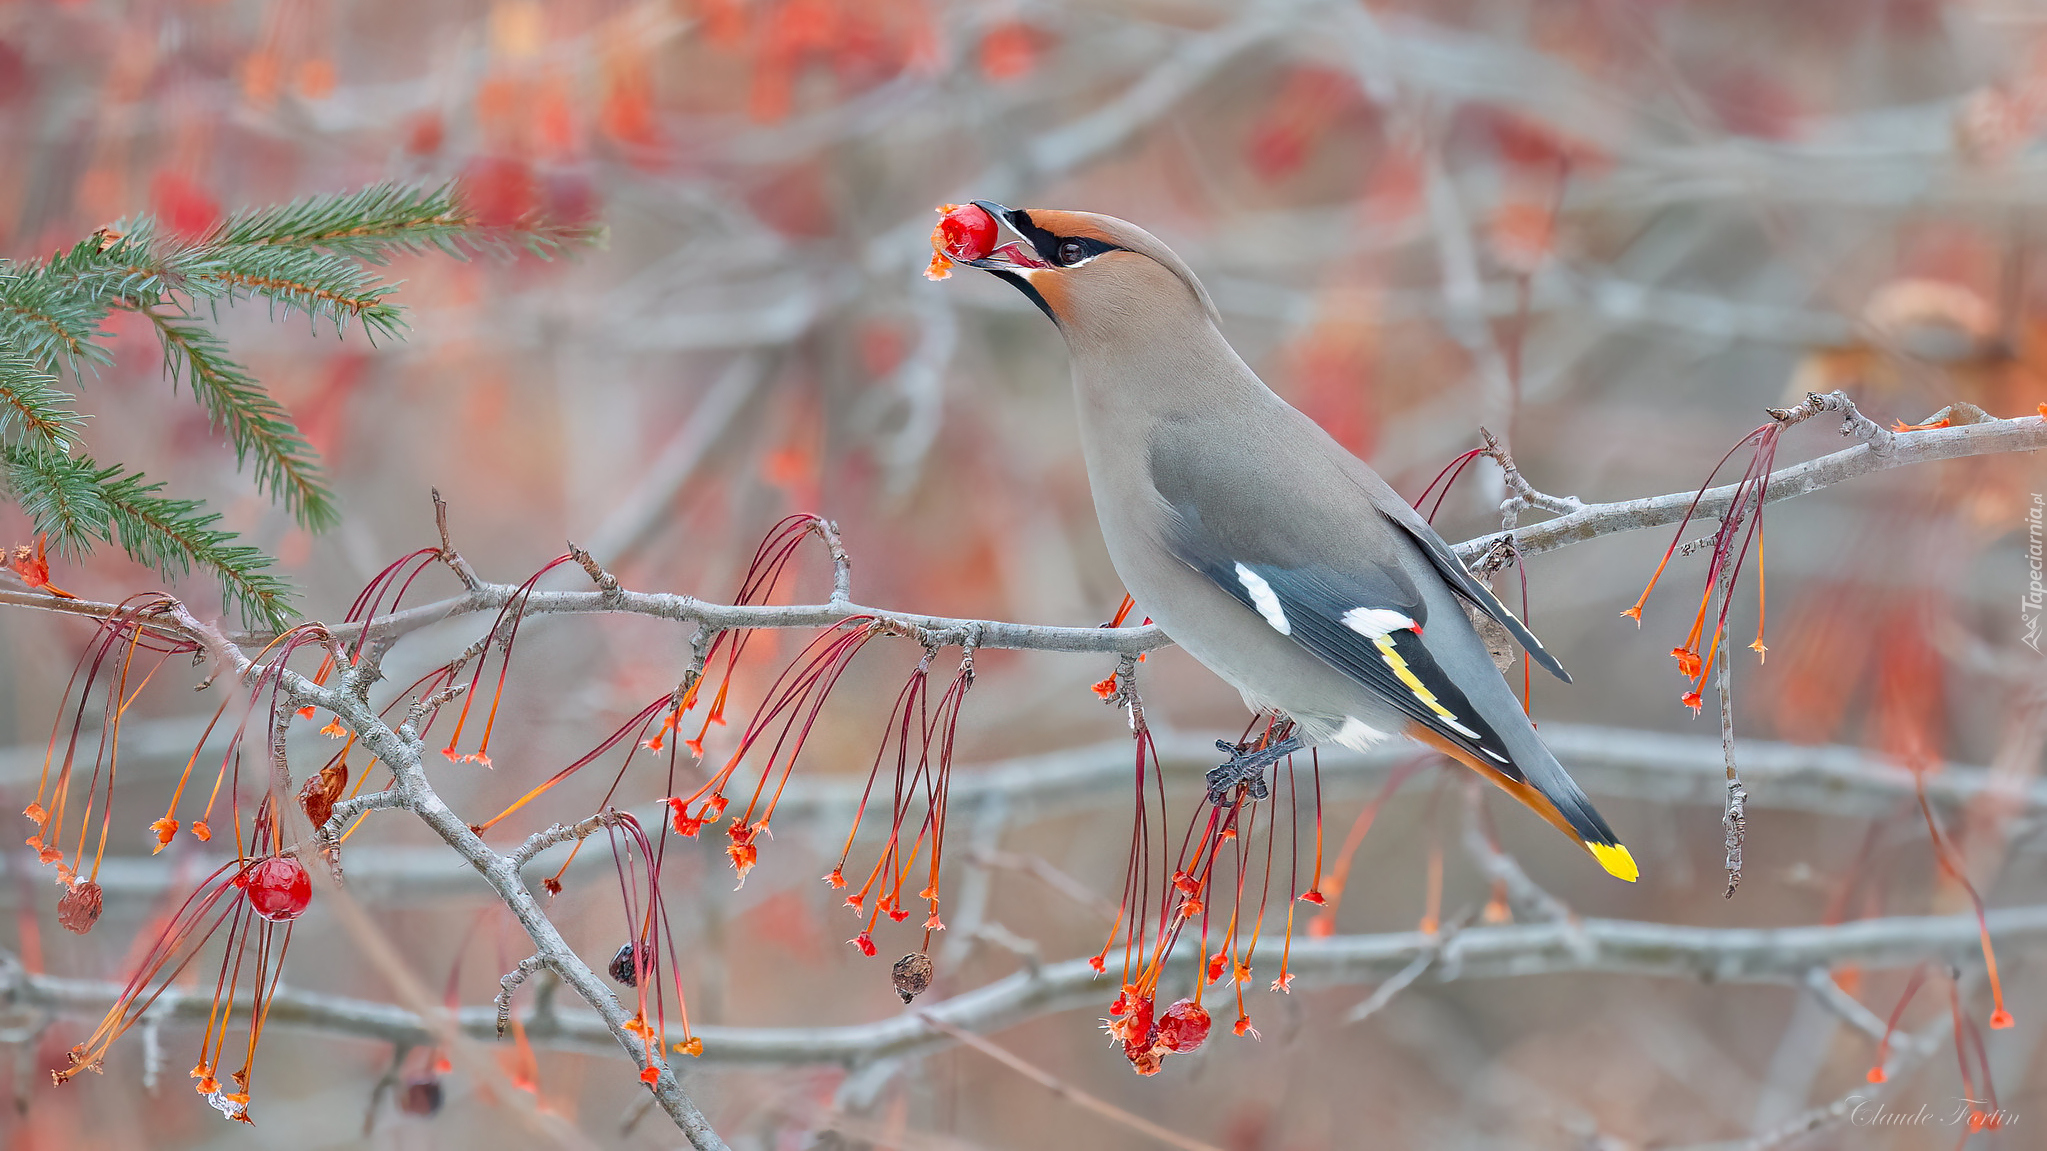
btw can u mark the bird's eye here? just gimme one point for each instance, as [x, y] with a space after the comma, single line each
[1071, 252]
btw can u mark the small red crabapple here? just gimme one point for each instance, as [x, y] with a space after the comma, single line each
[968, 232]
[279, 889]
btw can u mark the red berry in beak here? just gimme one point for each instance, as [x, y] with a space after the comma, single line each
[279, 888]
[967, 233]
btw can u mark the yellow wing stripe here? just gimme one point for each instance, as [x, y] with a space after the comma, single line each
[1414, 684]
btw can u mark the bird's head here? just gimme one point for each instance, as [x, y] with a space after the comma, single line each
[1090, 273]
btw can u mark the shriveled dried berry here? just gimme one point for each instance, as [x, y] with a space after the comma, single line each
[623, 967]
[420, 1097]
[79, 909]
[912, 975]
[321, 791]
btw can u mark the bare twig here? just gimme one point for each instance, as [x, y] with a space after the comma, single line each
[1524, 895]
[842, 563]
[1042, 869]
[1385, 992]
[1821, 983]
[346, 810]
[540, 841]
[607, 584]
[1065, 1090]
[1522, 493]
[1734, 817]
[421, 708]
[509, 985]
[449, 555]
[1881, 440]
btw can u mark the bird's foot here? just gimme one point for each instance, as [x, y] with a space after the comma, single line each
[1246, 766]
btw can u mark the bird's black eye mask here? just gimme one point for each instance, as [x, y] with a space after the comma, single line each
[1057, 251]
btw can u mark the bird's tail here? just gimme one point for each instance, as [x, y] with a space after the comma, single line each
[1548, 791]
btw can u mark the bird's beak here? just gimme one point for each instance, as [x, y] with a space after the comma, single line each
[1014, 249]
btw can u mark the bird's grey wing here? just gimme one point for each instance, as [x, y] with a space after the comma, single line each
[1463, 582]
[1304, 573]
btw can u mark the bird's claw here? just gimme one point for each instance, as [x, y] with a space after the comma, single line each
[1246, 767]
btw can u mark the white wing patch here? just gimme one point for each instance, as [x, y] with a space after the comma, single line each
[1358, 735]
[1374, 622]
[1263, 599]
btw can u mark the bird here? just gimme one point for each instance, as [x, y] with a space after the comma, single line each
[1276, 558]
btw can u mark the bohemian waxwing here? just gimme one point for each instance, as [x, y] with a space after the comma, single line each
[1274, 556]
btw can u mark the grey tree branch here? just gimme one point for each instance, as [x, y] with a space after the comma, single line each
[1721, 955]
[2025, 434]
[1649, 766]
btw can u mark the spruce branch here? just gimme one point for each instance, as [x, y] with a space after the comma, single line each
[75, 502]
[257, 426]
[121, 262]
[33, 409]
[386, 220]
[313, 256]
[177, 535]
[48, 319]
[61, 494]
[319, 284]
[372, 225]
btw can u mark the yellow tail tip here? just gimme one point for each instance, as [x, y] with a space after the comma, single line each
[1616, 860]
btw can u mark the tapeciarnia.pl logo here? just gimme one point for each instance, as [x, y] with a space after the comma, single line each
[2031, 604]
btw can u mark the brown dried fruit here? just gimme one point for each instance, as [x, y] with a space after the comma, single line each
[319, 794]
[420, 1097]
[80, 907]
[912, 975]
